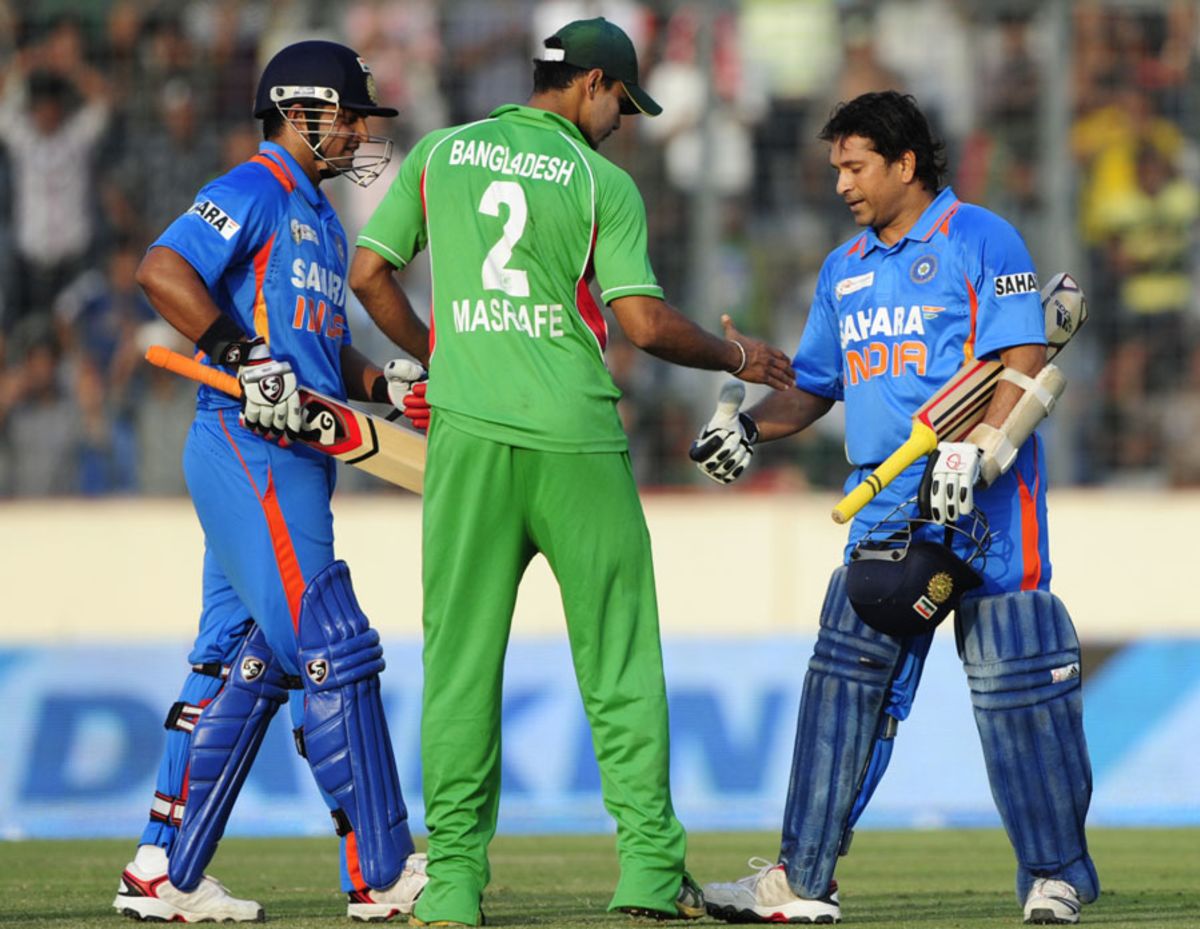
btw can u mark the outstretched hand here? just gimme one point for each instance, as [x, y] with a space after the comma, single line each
[725, 445]
[764, 364]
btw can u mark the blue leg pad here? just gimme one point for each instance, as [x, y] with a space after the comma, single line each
[901, 692]
[227, 736]
[841, 718]
[345, 732]
[1021, 656]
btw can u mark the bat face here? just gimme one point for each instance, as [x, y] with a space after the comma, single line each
[328, 427]
[368, 442]
[960, 403]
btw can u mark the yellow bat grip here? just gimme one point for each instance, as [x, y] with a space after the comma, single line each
[922, 441]
[172, 361]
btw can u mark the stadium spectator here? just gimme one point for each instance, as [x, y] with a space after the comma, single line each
[170, 160]
[50, 142]
[97, 318]
[39, 417]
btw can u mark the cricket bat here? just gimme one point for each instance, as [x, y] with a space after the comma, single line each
[959, 404]
[333, 427]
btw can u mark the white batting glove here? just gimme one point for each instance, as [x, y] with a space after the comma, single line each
[270, 396]
[948, 486]
[401, 374]
[726, 444]
[406, 383]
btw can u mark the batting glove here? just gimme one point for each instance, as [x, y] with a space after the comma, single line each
[270, 395]
[406, 383]
[726, 444]
[948, 485]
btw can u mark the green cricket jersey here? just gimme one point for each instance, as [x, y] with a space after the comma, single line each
[519, 213]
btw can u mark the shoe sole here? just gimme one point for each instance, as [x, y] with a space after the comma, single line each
[1047, 917]
[375, 913]
[176, 916]
[732, 914]
[661, 916]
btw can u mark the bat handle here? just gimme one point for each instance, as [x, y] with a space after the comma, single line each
[922, 441]
[173, 361]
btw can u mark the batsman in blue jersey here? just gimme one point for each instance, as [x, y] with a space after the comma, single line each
[928, 284]
[255, 274]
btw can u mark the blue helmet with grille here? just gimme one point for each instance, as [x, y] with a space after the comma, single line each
[319, 70]
[903, 583]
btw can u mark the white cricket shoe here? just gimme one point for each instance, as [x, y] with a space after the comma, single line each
[378, 906]
[766, 897]
[1051, 902]
[146, 893]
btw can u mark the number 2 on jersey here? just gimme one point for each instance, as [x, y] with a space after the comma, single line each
[496, 273]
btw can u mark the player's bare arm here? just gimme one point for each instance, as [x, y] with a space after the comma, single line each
[373, 281]
[779, 415]
[656, 327]
[726, 443]
[270, 403]
[177, 292]
[360, 374]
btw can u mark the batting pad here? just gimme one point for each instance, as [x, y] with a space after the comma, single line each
[224, 743]
[1021, 656]
[345, 732]
[841, 718]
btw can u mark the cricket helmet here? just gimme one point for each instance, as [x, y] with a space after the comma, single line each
[326, 79]
[902, 585]
[319, 70]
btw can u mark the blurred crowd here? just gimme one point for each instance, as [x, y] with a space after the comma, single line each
[117, 111]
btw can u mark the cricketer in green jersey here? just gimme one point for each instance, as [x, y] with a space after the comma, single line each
[526, 453]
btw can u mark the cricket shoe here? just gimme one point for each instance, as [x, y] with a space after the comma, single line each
[378, 906]
[689, 904]
[1051, 902]
[766, 897]
[146, 893]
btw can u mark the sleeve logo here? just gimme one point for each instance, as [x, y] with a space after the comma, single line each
[217, 218]
[1009, 284]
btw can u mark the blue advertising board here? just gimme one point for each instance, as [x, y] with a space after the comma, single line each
[84, 732]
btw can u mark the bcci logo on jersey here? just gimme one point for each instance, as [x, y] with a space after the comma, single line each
[923, 269]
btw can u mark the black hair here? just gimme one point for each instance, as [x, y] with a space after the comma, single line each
[48, 85]
[558, 75]
[273, 122]
[893, 124]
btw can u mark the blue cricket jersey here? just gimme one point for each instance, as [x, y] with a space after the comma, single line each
[890, 324]
[273, 254]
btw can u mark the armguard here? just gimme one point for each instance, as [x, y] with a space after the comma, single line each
[1000, 445]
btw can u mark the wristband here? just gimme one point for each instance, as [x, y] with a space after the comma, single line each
[379, 390]
[740, 368]
[217, 339]
[749, 426]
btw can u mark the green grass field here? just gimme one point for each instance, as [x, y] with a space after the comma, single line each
[935, 880]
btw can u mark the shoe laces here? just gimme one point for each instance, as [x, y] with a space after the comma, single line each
[761, 866]
[1051, 887]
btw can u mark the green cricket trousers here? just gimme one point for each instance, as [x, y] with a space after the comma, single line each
[489, 508]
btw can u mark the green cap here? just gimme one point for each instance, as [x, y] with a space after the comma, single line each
[597, 43]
